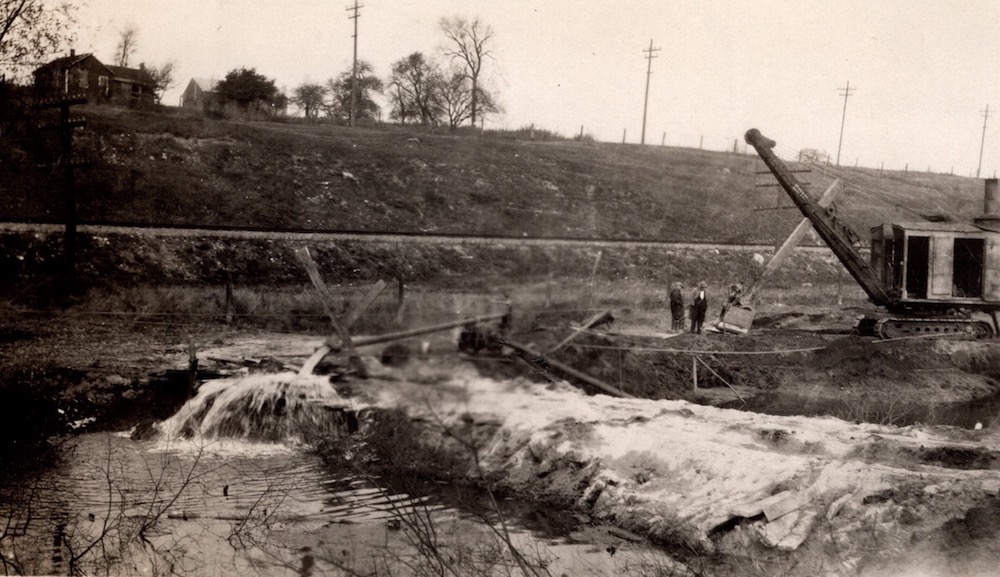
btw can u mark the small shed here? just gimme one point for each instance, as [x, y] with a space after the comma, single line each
[201, 94]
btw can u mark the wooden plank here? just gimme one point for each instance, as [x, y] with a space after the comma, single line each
[389, 337]
[718, 376]
[804, 226]
[594, 320]
[742, 318]
[361, 306]
[314, 360]
[302, 253]
[567, 369]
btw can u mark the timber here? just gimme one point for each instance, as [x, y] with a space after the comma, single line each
[539, 359]
[327, 299]
[415, 332]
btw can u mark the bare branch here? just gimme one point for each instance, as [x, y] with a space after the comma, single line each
[127, 41]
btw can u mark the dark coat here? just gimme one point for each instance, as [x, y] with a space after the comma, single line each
[700, 301]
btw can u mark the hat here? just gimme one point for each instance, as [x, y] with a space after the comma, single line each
[702, 284]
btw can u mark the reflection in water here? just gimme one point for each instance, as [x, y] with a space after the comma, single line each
[208, 497]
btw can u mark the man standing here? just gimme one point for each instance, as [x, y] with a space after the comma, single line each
[677, 306]
[698, 307]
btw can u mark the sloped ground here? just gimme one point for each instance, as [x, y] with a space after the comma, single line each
[169, 168]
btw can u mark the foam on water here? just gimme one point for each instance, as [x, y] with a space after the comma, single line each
[263, 407]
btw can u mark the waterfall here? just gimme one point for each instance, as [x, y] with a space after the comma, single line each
[260, 407]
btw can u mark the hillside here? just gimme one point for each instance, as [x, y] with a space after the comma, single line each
[168, 168]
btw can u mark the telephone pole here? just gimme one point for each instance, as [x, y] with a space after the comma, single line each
[354, 67]
[986, 115]
[846, 93]
[650, 55]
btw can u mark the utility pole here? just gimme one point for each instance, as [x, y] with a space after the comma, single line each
[354, 68]
[846, 93]
[986, 115]
[650, 55]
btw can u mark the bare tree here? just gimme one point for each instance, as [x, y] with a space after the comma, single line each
[469, 45]
[32, 31]
[163, 78]
[127, 41]
[455, 97]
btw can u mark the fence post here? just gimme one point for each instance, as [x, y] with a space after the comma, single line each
[400, 296]
[229, 298]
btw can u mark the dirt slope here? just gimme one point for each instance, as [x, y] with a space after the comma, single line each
[170, 168]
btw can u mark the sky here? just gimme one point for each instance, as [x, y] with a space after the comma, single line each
[921, 73]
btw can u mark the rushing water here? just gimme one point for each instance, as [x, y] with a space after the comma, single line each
[228, 487]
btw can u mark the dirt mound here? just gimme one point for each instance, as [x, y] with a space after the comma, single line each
[863, 356]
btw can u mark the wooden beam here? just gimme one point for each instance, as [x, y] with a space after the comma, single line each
[718, 376]
[566, 369]
[389, 337]
[738, 317]
[361, 306]
[594, 320]
[302, 253]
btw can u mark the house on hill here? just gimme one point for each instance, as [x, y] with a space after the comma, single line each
[101, 83]
[201, 95]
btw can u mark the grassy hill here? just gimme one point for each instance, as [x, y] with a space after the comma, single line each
[172, 168]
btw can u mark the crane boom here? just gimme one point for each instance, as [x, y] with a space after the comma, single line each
[837, 235]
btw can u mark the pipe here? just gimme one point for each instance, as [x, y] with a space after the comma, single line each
[335, 345]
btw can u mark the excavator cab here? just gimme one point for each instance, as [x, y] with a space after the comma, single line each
[933, 265]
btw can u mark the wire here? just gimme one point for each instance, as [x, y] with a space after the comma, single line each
[850, 177]
[702, 352]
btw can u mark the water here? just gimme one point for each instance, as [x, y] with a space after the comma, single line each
[229, 487]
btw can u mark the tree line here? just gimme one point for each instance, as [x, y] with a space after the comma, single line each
[419, 89]
[449, 89]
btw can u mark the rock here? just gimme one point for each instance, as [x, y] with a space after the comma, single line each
[837, 505]
[788, 532]
[144, 431]
[789, 501]
[932, 490]
[772, 533]
[625, 535]
[773, 506]
[116, 380]
[799, 532]
[991, 487]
